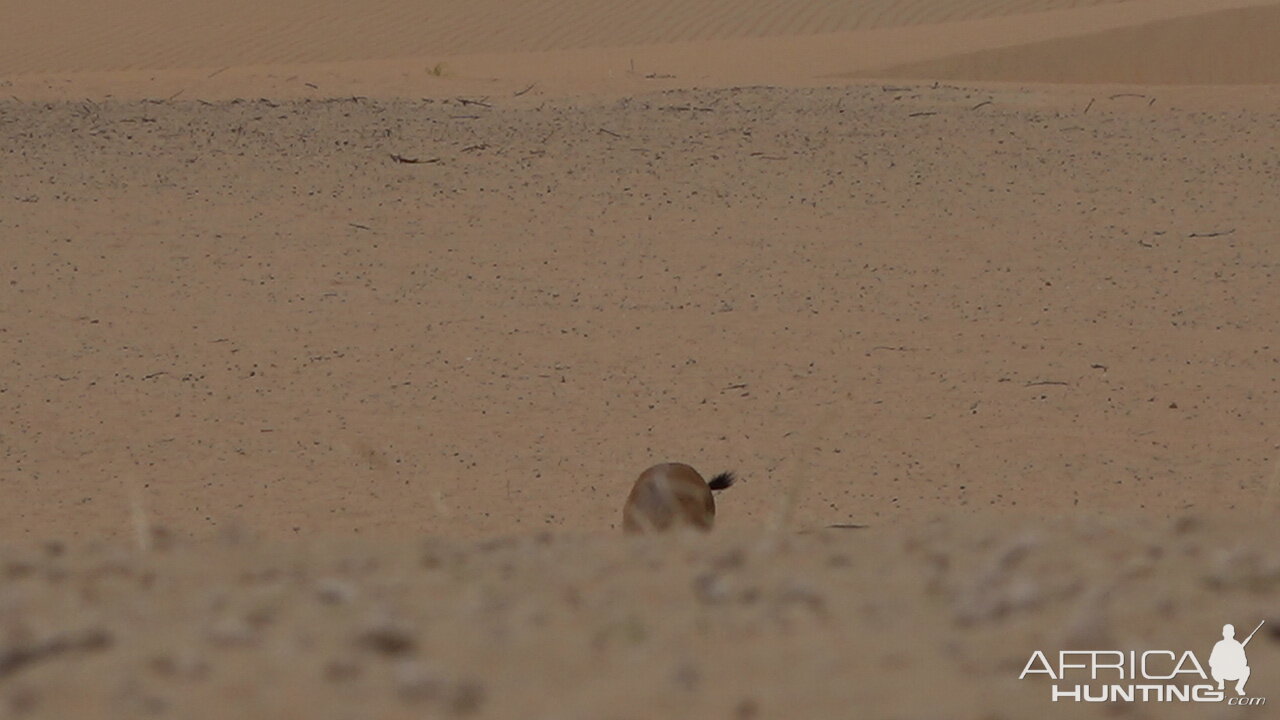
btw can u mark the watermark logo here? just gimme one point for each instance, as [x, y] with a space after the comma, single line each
[1228, 660]
[1148, 676]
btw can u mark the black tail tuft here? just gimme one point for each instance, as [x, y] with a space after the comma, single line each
[722, 481]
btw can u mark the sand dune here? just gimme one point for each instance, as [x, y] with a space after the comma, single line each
[394, 48]
[1236, 46]
[79, 35]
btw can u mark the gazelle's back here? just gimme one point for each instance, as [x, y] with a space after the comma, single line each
[668, 495]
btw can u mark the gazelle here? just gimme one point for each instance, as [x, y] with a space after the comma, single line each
[672, 494]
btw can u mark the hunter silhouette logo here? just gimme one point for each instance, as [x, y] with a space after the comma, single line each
[1228, 661]
[1150, 675]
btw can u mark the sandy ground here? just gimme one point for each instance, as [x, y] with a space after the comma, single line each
[331, 341]
[903, 621]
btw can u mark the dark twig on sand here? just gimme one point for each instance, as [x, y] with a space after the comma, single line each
[522, 92]
[413, 161]
[984, 102]
[1086, 107]
[1046, 382]
[481, 103]
[607, 131]
[1217, 233]
[923, 113]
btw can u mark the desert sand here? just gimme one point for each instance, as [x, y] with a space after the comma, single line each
[334, 336]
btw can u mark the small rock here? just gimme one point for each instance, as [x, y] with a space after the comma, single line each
[1244, 568]
[1090, 626]
[687, 676]
[731, 560]
[341, 670]
[18, 569]
[232, 631]
[21, 700]
[711, 587]
[332, 591]
[466, 698]
[416, 682]
[185, 665]
[797, 593]
[24, 650]
[387, 638]
[161, 538]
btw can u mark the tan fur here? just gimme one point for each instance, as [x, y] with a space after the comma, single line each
[666, 496]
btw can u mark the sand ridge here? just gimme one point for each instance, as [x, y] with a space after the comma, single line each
[79, 36]
[1135, 41]
[895, 622]
[1233, 46]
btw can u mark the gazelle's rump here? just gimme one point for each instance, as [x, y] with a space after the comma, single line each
[670, 495]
